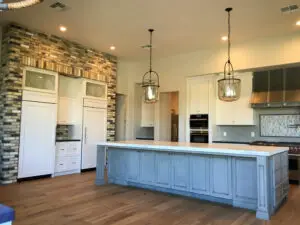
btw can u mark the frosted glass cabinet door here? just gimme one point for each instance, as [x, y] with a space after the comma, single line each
[39, 80]
[95, 90]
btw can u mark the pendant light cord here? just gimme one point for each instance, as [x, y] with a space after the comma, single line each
[151, 31]
[229, 33]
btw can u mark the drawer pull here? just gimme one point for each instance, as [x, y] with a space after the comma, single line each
[73, 162]
[61, 164]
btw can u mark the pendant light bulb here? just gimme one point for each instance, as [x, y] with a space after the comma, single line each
[229, 88]
[150, 81]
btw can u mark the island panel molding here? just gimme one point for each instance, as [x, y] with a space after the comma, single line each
[22, 46]
[214, 177]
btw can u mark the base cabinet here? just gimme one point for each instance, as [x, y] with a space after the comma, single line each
[220, 177]
[133, 170]
[116, 165]
[199, 174]
[180, 172]
[163, 169]
[147, 167]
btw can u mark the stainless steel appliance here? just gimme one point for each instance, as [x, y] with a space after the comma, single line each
[199, 128]
[294, 158]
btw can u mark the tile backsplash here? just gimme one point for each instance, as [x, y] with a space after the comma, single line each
[278, 125]
[243, 133]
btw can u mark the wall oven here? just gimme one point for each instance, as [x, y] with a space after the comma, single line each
[199, 128]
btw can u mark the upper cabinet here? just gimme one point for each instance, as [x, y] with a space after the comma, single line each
[238, 112]
[198, 95]
[147, 117]
[94, 89]
[276, 88]
[40, 80]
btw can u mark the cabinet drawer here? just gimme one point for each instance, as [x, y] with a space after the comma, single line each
[73, 163]
[61, 149]
[60, 166]
[74, 148]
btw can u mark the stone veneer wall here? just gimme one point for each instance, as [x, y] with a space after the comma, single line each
[19, 42]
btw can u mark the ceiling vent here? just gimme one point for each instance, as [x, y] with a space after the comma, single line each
[59, 6]
[289, 9]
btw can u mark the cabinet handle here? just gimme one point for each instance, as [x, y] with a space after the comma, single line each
[61, 164]
[73, 162]
[85, 135]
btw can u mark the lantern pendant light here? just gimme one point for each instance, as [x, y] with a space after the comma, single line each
[151, 80]
[229, 88]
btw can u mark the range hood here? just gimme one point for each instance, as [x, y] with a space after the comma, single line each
[276, 88]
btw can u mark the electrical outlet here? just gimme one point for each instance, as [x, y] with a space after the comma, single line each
[225, 134]
[253, 134]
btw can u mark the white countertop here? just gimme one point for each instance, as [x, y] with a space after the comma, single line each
[184, 147]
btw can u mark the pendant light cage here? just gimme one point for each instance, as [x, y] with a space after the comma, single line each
[229, 88]
[18, 4]
[150, 81]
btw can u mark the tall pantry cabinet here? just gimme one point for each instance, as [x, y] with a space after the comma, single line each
[94, 121]
[38, 123]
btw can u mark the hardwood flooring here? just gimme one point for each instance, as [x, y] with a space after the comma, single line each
[75, 200]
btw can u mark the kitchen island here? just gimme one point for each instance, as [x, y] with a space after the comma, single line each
[251, 177]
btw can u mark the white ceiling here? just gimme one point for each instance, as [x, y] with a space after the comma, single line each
[181, 25]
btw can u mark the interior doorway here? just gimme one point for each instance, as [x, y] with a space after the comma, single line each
[168, 116]
[120, 117]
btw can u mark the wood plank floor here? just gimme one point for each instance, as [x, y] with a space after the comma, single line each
[75, 200]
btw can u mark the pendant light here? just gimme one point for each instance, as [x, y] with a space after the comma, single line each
[10, 5]
[229, 88]
[151, 80]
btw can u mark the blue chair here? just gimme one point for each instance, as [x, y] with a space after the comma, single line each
[7, 215]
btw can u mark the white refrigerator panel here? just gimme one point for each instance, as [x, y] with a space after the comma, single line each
[37, 144]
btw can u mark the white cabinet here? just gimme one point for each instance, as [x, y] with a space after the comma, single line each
[147, 118]
[37, 141]
[69, 111]
[95, 89]
[198, 95]
[238, 112]
[40, 80]
[68, 158]
[94, 131]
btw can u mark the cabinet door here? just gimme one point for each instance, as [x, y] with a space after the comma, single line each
[260, 87]
[147, 167]
[180, 172]
[198, 89]
[199, 174]
[292, 85]
[242, 114]
[133, 160]
[37, 141]
[116, 165]
[147, 119]
[163, 169]
[220, 177]
[276, 86]
[94, 131]
[69, 111]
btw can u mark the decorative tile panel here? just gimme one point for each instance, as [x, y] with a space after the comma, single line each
[20, 47]
[279, 125]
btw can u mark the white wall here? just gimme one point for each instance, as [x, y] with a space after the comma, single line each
[173, 70]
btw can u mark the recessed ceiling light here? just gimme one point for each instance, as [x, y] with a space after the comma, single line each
[298, 23]
[63, 28]
[224, 38]
[112, 47]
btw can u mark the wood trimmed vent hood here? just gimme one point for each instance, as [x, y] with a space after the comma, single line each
[276, 88]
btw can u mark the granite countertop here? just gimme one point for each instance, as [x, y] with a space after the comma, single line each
[7, 214]
[185, 147]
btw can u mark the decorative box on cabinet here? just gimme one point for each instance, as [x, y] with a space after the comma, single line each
[238, 112]
[68, 158]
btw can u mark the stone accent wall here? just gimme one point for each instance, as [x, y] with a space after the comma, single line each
[50, 52]
[62, 131]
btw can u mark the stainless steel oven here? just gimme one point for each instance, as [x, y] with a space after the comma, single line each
[199, 128]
